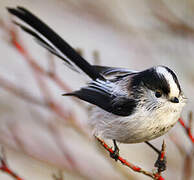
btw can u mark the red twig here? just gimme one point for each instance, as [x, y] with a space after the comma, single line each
[162, 158]
[187, 165]
[4, 167]
[187, 129]
[135, 168]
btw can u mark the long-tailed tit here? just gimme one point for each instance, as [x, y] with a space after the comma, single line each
[129, 106]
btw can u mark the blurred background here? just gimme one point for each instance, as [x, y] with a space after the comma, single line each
[46, 141]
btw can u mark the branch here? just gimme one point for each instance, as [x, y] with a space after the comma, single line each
[4, 167]
[187, 162]
[188, 127]
[155, 176]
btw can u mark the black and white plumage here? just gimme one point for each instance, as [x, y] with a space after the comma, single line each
[130, 106]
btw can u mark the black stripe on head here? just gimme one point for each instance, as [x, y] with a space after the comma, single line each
[174, 77]
[152, 80]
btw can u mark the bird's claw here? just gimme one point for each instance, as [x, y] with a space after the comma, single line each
[115, 154]
[161, 162]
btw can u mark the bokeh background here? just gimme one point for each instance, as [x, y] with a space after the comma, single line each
[134, 34]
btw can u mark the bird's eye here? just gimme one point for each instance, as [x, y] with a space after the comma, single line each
[158, 94]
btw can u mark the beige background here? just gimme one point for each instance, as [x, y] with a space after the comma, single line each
[133, 34]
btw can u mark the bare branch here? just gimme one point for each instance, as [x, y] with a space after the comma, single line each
[135, 168]
[5, 168]
[187, 128]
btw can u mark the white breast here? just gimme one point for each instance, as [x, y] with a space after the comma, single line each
[139, 127]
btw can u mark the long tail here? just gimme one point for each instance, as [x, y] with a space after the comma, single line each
[55, 44]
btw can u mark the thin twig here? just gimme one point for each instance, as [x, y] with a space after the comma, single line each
[4, 167]
[187, 129]
[162, 157]
[135, 168]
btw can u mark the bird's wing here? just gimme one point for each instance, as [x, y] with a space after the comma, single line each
[100, 94]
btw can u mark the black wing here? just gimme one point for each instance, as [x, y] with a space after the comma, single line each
[55, 43]
[102, 96]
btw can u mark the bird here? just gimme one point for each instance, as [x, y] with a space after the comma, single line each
[127, 106]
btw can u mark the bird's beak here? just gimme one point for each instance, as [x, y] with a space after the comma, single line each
[174, 100]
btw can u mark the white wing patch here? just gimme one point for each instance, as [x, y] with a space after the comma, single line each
[174, 90]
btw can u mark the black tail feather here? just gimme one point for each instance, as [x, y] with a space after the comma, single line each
[54, 39]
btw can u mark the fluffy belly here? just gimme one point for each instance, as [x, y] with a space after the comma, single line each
[133, 129]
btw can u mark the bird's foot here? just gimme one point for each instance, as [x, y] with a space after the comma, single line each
[161, 162]
[115, 154]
